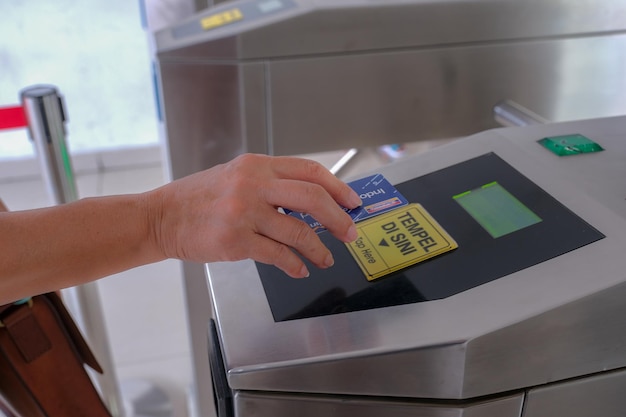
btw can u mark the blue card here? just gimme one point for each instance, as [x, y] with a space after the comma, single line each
[378, 197]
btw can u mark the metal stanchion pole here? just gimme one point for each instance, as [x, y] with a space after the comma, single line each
[46, 119]
[46, 124]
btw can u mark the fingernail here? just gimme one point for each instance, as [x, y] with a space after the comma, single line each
[355, 200]
[352, 234]
[304, 272]
[329, 261]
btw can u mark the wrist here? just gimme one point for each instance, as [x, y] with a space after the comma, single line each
[151, 204]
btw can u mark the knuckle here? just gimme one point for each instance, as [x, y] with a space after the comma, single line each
[316, 195]
[282, 253]
[286, 260]
[243, 174]
[313, 169]
[245, 159]
[239, 164]
[300, 235]
[248, 161]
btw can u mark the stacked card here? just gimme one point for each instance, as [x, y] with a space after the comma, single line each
[377, 194]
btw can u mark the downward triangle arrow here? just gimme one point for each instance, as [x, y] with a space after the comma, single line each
[383, 243]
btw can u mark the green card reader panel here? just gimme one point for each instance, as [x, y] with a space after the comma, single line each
[496, 209]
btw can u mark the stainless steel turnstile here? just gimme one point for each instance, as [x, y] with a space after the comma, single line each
[527, 324]
[300, 76]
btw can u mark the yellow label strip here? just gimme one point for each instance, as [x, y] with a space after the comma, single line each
[221, 19]
[398, 239]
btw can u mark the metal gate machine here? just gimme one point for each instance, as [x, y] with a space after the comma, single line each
[526, 316]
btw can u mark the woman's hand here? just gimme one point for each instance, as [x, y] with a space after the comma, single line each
[229, 212]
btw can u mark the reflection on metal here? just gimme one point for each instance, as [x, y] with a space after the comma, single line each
[511, 114]
[343, 161]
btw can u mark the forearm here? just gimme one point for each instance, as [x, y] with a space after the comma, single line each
[225, 213]
[46, 249]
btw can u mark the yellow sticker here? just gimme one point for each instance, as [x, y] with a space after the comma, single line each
[221, 19]
[397, 239]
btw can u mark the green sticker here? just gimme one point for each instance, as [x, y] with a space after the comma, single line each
[570, 145]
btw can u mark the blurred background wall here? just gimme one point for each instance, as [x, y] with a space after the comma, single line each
[97, 53]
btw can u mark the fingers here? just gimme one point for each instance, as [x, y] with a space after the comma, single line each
[240, 198]
[305, 186]
[274, 253]
[313, 199]
[298, 235]
[313, 172]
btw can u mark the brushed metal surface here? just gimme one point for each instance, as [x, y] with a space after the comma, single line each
[556, 320]
[273, 405]
[407, 96]
[315, 27]
[598, 395]
[310, 102]
[210, 117]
